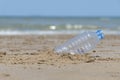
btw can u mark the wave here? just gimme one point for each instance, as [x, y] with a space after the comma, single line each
[51, 32]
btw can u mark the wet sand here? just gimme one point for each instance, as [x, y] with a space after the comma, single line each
[31, 57]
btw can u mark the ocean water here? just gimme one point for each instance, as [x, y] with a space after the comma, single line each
[57, 25]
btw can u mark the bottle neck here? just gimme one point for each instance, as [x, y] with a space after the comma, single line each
[100, 34]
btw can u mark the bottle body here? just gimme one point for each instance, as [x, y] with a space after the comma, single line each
[79, 44]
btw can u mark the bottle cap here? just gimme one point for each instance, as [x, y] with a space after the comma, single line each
[100, 34]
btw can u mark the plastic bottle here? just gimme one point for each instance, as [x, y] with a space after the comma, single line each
[81, 43]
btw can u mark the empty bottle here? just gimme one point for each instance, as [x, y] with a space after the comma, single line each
[81, 43]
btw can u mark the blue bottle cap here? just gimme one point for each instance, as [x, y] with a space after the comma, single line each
[100, 34]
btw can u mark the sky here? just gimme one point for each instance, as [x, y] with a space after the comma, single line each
[59, 7]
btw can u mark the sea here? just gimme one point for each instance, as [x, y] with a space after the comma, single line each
[39, 25]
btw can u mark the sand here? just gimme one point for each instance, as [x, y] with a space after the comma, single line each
[31, 57]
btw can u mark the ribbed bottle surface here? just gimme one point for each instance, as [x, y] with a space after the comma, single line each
[79, 44]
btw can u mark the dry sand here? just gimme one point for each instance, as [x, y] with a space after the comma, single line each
[31, 57]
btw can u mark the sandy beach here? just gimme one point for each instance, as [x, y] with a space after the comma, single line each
[31, 57]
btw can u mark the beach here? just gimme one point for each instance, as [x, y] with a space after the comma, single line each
[31, 57]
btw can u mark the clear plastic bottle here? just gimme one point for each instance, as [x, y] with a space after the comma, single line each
[81, 43]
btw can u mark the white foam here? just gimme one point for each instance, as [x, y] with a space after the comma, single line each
[50, 32]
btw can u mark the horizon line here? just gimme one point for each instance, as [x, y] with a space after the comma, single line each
[58, 16]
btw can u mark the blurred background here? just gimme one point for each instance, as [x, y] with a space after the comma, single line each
[58, 16]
